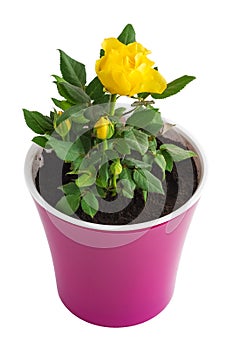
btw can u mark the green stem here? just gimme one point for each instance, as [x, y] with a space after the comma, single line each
[114, 185]
[111, 113]
[105, 145]
[112, 104]
[132, 110]
[114, 179]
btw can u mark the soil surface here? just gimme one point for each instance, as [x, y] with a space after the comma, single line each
[179, 186]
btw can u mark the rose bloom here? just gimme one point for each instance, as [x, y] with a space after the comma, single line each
[126, 70]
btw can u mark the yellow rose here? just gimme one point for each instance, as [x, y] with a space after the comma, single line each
[126, 70]
[103, 128]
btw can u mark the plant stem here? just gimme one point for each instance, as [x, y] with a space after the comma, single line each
[105, 145]
[114, 183]
[112, 104]
[111, 113]
[133, 109]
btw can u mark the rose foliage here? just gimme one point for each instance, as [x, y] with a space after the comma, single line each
[112, 150]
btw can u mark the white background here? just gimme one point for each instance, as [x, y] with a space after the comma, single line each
[186, 37]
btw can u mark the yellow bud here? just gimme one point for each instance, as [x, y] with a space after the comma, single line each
[103, 128]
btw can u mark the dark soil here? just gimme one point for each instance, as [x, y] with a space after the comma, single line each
[179, 186]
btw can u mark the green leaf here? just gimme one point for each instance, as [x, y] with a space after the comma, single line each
[119, 111]
[148, 119]
[141, 118]
[145, 195]
[143, 95]
[100, 183]
[95, 89]
[153, 145]
[127, 36]
[93, 113]
[102, 52]
[72, 93]
[65, 150]
[73, 112]
[126, 174]
[148, 158]
[137, 140]
[64, 105]
[100, 191]
[126, 187]
[161, 162]
[168, 159]
[104, 175]
[126, 182]
[111, 154]
[72, 71]
[68, 204]
[38, 122]
[174, 87]
[76, 164]
[58, 79]
[69, 188]
[90, 204]
[85, 180]
[83, 143]
[147, 181]
[121, 146]
[40, 140]
[52, 115]
[177, 153]
[136, 163]
[102, 100]
[86, 167]
[93, 157]
[80, 119]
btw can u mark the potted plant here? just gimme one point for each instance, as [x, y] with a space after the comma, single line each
[115, 185]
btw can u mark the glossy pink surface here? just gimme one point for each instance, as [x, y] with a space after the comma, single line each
[115, 278]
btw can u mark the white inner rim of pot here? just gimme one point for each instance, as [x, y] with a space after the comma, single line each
[31, 169]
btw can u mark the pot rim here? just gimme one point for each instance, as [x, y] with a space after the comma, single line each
[33, 150]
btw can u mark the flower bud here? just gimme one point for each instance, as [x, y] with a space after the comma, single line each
[116, 168]
[103, 128]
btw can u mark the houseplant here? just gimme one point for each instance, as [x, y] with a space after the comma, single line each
[115, 185]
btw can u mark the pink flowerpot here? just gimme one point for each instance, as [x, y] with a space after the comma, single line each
[114, 275]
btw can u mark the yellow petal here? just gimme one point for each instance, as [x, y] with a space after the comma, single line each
[107, 80]
[154, 82]
[135, 78]
[112, 44]
[136, 47]
[122, 83]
